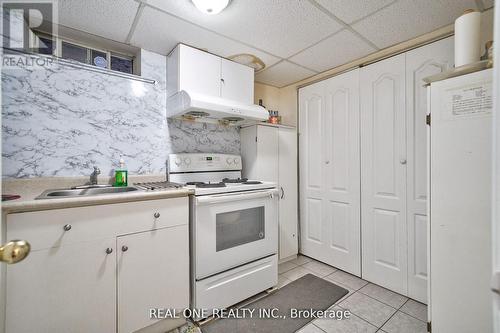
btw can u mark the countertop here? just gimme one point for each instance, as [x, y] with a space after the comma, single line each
[29, 189]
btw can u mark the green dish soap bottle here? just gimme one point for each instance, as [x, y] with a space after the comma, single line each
[121, 175]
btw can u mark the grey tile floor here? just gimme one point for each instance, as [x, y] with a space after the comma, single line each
[373, 308]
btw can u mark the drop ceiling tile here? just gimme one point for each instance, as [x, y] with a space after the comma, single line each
[280, 27]
[352, 10]
[407, 19]
[109, 19]
[283, 74]
[333, 51]
[160, 32]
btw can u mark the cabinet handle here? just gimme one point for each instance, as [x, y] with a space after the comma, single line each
[109, 250]
[157, 215]
[402, 161]
[67, 227]
[124, 248]
[222, 80]
[282, 193]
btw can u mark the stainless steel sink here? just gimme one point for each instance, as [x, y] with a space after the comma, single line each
[65, 193]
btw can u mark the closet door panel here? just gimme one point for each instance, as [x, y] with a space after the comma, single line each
[311, 160]
[341, 170]
[420, 63]
[383, 173]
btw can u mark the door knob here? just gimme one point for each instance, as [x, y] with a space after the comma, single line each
[124, 248]
[402, 161]
[14, 251]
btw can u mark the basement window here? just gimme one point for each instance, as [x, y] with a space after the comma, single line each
[86, 54]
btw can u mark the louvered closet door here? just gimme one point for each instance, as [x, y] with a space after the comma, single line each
[341, 170]
[383, 173]
[420, 63]
[311, 161]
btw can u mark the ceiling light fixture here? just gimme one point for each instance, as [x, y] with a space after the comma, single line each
[211, 7]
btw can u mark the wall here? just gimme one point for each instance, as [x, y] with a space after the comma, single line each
[60, 121]
[278, 99]
[285, 99]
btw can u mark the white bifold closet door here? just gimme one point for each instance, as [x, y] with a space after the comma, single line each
[420, 63]
[330, 171]
[383, 173]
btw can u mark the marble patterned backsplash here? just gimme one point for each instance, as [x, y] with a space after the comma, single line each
[61, 121]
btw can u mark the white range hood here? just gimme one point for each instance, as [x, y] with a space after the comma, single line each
[204, 108]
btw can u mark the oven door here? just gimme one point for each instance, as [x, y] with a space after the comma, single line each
[233, 229]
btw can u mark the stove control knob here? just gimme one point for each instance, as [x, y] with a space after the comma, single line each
[229, 161]
[178, 161]
[187, 160]
[236, 161]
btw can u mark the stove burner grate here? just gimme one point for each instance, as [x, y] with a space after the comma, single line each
[154, 186]
[234, 180]
[206, 185]
[251, 182]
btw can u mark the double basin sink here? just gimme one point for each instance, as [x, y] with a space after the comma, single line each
[85, 191]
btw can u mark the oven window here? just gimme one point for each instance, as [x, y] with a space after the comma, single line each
[239, 227]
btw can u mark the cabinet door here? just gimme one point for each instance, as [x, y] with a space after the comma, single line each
[70, 288]
[311, 161]
[288, 213]
[267, 152]
[420, 63]
[199, 71]
[383, 173]
[237, 82]
[342, 178]
[153, 272]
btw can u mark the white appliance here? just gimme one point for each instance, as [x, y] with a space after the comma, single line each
[190, 105]
[460, 203]
[204, 87]
[233, 229]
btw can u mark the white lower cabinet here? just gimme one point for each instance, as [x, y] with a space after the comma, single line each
[100, 276]
[149, 275]
[65, 289]
[387, 146]
[269, 153]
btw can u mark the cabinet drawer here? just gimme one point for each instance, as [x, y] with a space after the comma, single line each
[52, 228]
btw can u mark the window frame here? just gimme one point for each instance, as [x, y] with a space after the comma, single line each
[58, 50]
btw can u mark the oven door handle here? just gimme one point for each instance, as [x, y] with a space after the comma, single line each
[213, 199]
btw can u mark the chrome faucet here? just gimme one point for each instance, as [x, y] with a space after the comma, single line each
[93, 176]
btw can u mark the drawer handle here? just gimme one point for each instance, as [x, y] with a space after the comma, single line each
[157, 215]
[124, 248]
[67, 227]
[109, 250]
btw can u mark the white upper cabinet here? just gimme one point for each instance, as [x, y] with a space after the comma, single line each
[237, 82]
[200, 72]
[193, 70]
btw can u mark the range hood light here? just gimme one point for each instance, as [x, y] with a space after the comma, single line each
[211, 7]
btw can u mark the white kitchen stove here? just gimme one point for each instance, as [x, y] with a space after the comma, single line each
[233, 230]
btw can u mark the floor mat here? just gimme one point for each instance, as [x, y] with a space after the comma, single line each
[308, 292]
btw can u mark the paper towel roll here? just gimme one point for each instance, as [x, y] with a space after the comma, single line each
[467, 38]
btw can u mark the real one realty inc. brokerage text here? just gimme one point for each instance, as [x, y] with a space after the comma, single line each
[242, 313]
